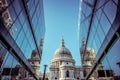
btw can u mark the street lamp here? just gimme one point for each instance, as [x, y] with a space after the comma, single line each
[44, 72]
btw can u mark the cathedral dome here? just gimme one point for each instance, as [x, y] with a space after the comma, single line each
[62, 51]
[62, 55]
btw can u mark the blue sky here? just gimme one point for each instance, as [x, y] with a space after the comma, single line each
[61, 19]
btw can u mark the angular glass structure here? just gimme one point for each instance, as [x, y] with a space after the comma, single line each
[22, 28]
[99, 24]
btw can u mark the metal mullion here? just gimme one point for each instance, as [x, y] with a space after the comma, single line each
[7, 55]
[86, 18]
[97, 24]
[31, 5]
[100, 28]
[116, 3]
[39, 12]
[102, 5]
[16, 20]
[16, 15]
[30, 25]
[22, 40]
[95, 11]
[26, 37]
[26, 32]
[8, 43]
[106, 16]
[11, 65]
[107, 45]
[35, 9]
[89, 27]
[21, 30]
[33, 15]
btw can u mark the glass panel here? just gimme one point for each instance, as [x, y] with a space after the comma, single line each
[88, 11]
[18, 7]
[30, 4]
[101, 35]
[105, 24]
[16, 28]
[20, 38]
[12, 13]
[25, 27]
[22, 17]
[23, 46]
[110, 10]
[116, 1]
[100, 3]
[83, 7]
[82, 17]
[98, 14]
[32, 11]
[112, 60]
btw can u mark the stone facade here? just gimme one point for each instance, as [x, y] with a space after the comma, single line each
[62, 66]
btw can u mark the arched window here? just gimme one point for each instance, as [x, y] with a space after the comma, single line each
[55, 78]
[84, 73]
[77, 78]
[67, 73]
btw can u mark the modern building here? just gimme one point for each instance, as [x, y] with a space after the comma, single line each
[23, 36]
[99, 24]
[19, 72]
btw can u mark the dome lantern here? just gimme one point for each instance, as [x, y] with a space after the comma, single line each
[62, 42]
[62, 51]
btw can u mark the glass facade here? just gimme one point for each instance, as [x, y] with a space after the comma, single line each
[23, 34]
[99, 24]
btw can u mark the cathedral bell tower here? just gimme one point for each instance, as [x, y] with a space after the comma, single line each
[35, 58]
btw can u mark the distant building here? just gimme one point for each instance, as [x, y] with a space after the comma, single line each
[62, 66]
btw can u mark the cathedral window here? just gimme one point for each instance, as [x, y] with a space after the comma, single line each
[32, 62]
[67, 73]
[55, 78]
[77, 78]
[60, 62]
[84, 73]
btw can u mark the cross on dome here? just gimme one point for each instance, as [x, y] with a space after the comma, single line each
[62, 42]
